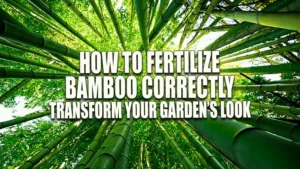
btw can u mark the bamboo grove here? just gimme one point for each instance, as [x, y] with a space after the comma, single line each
[40, 41]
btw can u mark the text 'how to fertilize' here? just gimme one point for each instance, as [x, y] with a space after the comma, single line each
[162, 84]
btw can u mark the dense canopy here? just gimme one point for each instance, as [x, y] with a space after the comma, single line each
[258, 40]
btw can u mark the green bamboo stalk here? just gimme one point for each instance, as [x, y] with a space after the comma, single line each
[263, 45]
[281, 68]
[17, 46]
[123, 161]
[113, 17]
[98, 139]
[24, 36]
[99, 15]
[191, 20]
[187, 164]
[7, 17]
[177, 29]
[163, 5]
[284, 81]
[15, 58]
[144, 23]
[140, 157]
[208, 11]
[291, 47]
[291, 110]
[23, 119]
[269, 87]
[147, 158]
[66, 61]
[27, 11]
[30, 163]
[45, 8]
[81, 16]
[208, 157]
[13, 73]
[261, 34]
[197, 37]
[153, 12]
[239, 142]
[246, 28]
[282, 128]
[62, 148]
[13, 90]
[272, 19]
[170, 11]
[110, 151]
[215, 29]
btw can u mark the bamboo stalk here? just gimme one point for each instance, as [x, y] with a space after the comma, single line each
[81, 16]
[272, 19]
[143, 20]
[16, 46]
[215, 29]
[27, 11]
[282, 68]
[208, 157]
[23, 36]
[147, 158]
[291, 110]
[62, 148]
[269, 87]
[15, 58]
[257, 35]
[100, 16]
[48, 148]
[113, 17]
[23, 119]
[13, 73]
[234, 139]
[140, 157]
[123, 161]
[111, 149]
[179, 153]
[246, 28]
[45, 8]
[163, 5]
[291, 47]
[13, 90]
[98, 139]
[278, 127]
[284, 81]
[66, 61]
[207, 12]
[262, 45]
[191, 20]
[170, 11]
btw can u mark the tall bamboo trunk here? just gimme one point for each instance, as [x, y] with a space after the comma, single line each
[272, 19]
[147, 158]
[187, 164]
[123, 161]
[30, 163]
[278, 127]
[23, 119]
[100, 16]
[269, 87]
[111, 149]
[82, 17]
[113, 17]
[45, 8]
[15, 58]
[23, 36]
[12, 73]
[234, 139]
[140, 157]
[281, 68]
[94, 146]
[143, 20]
[209, 158]
[13, 90]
